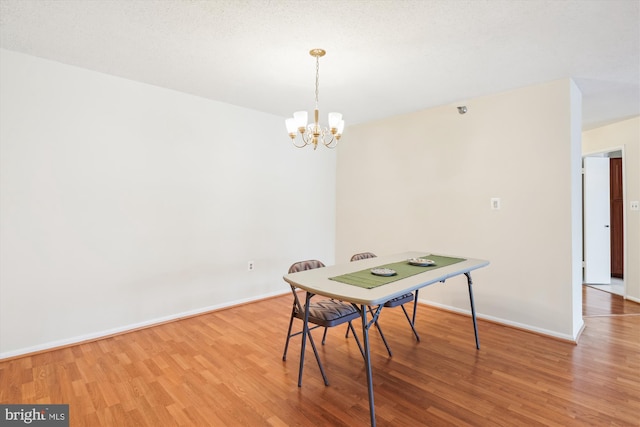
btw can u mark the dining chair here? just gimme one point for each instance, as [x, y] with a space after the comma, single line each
[395, 302]
[325, 313]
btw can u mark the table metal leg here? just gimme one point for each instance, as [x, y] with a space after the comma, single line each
[415, 307]
[367, 361]
[473, 309]
[412, 322]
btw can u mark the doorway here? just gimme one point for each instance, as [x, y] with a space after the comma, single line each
[609, 260]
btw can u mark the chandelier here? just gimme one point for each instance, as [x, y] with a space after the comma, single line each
[313, 133]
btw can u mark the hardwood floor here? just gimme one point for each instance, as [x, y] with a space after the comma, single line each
[596, 302]
[225, 369]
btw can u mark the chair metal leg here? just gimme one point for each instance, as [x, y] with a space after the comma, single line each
[324, 335]
[315, 352]
[286, 345]
[346, 335]
[305, 333]
[350, 326]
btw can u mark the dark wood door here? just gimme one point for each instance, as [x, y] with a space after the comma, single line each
[617, 206]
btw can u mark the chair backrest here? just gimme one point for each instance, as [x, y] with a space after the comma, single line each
[305, 265]
[363, 255]
[309, 264]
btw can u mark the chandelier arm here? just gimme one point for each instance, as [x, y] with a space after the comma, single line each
[304, 141]
[305, 138]
[332, 142]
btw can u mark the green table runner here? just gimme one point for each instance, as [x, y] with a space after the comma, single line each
[366, 279]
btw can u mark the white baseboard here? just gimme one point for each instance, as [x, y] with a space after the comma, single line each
[634, 299]
[505, 322]
[109, 332]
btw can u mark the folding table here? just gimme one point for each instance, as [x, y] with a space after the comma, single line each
[326, 282]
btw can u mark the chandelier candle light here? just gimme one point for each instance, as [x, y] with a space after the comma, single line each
[313, 132]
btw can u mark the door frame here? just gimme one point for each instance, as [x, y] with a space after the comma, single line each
[606, 153]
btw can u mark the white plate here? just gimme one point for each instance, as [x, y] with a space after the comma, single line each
[383, 272]
[422, 262]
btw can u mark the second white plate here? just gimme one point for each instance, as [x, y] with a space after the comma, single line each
[422, 262]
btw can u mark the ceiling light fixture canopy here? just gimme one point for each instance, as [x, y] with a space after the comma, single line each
[313, 133]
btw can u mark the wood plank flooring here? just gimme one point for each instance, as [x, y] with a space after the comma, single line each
[225, 369]
[596, 302]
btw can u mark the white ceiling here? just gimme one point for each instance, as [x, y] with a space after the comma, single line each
[383, 57]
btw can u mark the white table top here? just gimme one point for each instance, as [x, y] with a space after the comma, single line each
[317, 280]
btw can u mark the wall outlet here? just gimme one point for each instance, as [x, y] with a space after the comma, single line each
[495, 203]
[635, 205]
[250, 266]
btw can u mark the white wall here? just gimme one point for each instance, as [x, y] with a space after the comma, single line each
[625, 134]
[424, 181]
[123, 204]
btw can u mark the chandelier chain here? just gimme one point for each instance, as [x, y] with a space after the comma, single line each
[317, 79]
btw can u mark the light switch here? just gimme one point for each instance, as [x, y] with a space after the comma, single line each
[495, 203]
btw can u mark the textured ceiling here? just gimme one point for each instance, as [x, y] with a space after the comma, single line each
[383, 57]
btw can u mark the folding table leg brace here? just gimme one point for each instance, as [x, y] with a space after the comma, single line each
[412, 319]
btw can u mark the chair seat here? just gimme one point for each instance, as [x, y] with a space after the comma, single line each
[402, 299]
[329, 313]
